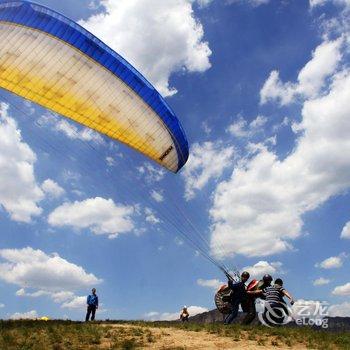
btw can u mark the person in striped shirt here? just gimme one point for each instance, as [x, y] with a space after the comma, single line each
[275, 306]
[275, 293]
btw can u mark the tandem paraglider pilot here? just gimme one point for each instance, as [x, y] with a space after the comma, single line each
[238, 295]
[92, 305]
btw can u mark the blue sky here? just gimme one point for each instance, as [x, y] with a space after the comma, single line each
[261, 89]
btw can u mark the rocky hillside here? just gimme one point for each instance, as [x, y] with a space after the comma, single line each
[334, 323]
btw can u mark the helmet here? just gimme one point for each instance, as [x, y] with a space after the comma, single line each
[245, 274]
[267, 278]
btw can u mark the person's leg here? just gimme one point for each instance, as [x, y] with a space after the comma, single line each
[229, 319]
[88, 312]
[93, 311]
[251, 311]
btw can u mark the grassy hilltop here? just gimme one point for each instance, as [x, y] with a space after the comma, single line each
[59, 335]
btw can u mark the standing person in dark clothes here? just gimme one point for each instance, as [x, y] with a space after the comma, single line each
[238, 295]
[249, 302]
[92, 305]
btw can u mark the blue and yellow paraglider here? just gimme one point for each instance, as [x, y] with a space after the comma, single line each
[52, 61]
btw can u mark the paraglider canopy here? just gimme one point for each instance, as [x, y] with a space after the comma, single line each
[51, 60]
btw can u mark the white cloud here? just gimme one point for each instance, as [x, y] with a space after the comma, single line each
[334, 262]
[345, 233]
[101, 216]
[206, 128]
[143, 30]
[206, 161]
[52, 189]
[258, 211]
[241, 128]
[254, 3]
[172, 316]
[30, 315]
[315, 3]
[340, 310]
[203, 3]
[178, 241]
[57, 297]
[311, 79]
[309, 308]
[2, 306]
[29, 268]
[151, 216]
[342, 290]
[262, 268]
[157, 196]
[69, 129]
[321, 281]
[75, 303]
[213, 283]
[19, 191]
[151, 173]
[110, 161]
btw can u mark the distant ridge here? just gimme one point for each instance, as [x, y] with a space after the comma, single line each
[334, 323]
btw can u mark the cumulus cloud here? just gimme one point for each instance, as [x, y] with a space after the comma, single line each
[151, 173]
[254, 3]
[334, 262]
[206, 161]
[101, 216]
[310, 309]
[343, 290]
[340, 310]
[157, 196]
[29, 315]
[345, 233]
[258, 210]
[311, 79]
[19, 190]
[213, 283]
[68, 128]
[75, 303]
[172, 316]
[57, 297]
[262, 268]
[241, 128]
[321, 281]
[315, 3]
[30, 268]
[51, 188]
[158, 37]
[151, 216]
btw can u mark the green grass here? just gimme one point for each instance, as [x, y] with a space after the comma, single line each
[62, 335]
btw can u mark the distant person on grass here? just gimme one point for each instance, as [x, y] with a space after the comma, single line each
[184, 314]
[92, 306]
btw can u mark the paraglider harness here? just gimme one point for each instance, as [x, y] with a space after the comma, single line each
[224, 295]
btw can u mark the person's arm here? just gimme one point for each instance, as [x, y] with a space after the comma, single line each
[88, 300]
[286, 293]
[255, 292]
[96, 302]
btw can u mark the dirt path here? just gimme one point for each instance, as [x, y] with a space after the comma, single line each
[172, 338]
